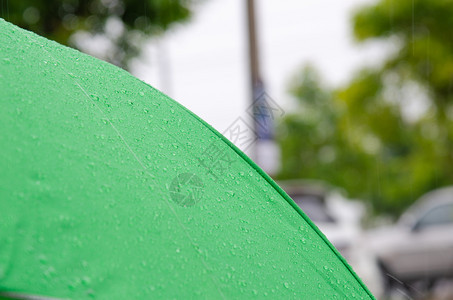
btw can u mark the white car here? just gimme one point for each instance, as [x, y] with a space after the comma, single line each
[339, 219]
[420, 246]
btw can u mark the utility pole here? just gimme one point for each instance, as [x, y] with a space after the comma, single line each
[264, 151]
[255, 79]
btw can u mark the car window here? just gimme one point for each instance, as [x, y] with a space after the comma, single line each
[314, 208]
[440, 215]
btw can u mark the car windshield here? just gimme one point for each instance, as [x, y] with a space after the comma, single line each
[440, 215]
[424, 204]
[314, 208]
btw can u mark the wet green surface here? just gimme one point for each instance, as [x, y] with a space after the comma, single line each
[111, 190]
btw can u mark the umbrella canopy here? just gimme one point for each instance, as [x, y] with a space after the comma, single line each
[109, 189]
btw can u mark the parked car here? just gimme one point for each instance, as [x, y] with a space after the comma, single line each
[420, 246]
[340, 220]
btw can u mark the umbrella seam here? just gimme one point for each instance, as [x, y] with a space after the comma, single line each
[142, 165]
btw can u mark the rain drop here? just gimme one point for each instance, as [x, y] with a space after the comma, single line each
[94, 97]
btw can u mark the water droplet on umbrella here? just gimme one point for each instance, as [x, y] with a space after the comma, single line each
[94, 97]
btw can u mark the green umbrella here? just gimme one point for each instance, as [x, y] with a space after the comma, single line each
[109, 189]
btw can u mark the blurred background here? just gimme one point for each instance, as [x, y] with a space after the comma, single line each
[349, 105]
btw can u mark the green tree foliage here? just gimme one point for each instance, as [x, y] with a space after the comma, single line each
[387, 136]
[134, 19]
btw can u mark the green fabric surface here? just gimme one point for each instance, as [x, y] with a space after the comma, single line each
[109, 189]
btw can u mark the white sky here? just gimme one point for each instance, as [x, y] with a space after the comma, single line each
[204, 65]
